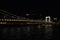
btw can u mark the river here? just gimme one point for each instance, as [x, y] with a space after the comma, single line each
[30, 31]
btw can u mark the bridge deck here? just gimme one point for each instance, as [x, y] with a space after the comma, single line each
[9, 21]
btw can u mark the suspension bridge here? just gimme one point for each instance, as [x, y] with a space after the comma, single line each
[9, 18]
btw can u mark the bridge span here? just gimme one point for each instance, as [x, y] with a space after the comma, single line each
[22, 21]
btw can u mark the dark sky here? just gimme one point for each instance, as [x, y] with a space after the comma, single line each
[33, 7]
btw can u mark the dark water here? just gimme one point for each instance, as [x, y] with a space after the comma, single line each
[29, 32]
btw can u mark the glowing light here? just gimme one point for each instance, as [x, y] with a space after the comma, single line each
[27, 14]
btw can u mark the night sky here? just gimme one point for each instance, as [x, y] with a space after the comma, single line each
[32, 7]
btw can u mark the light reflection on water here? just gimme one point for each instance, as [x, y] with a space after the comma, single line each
[27, 31]
[48, 31]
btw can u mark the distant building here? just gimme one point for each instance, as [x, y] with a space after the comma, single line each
[55, 19]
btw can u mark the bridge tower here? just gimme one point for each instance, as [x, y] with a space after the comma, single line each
[47, 19]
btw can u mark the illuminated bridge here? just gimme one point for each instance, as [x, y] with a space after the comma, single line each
[45, 31]
[8, 18]
[19, 21]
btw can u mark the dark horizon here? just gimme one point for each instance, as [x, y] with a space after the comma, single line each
[21, 8]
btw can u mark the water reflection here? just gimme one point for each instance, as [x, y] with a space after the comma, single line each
[4, 32]
[18, 34]
[48, 31]
[27, 31]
